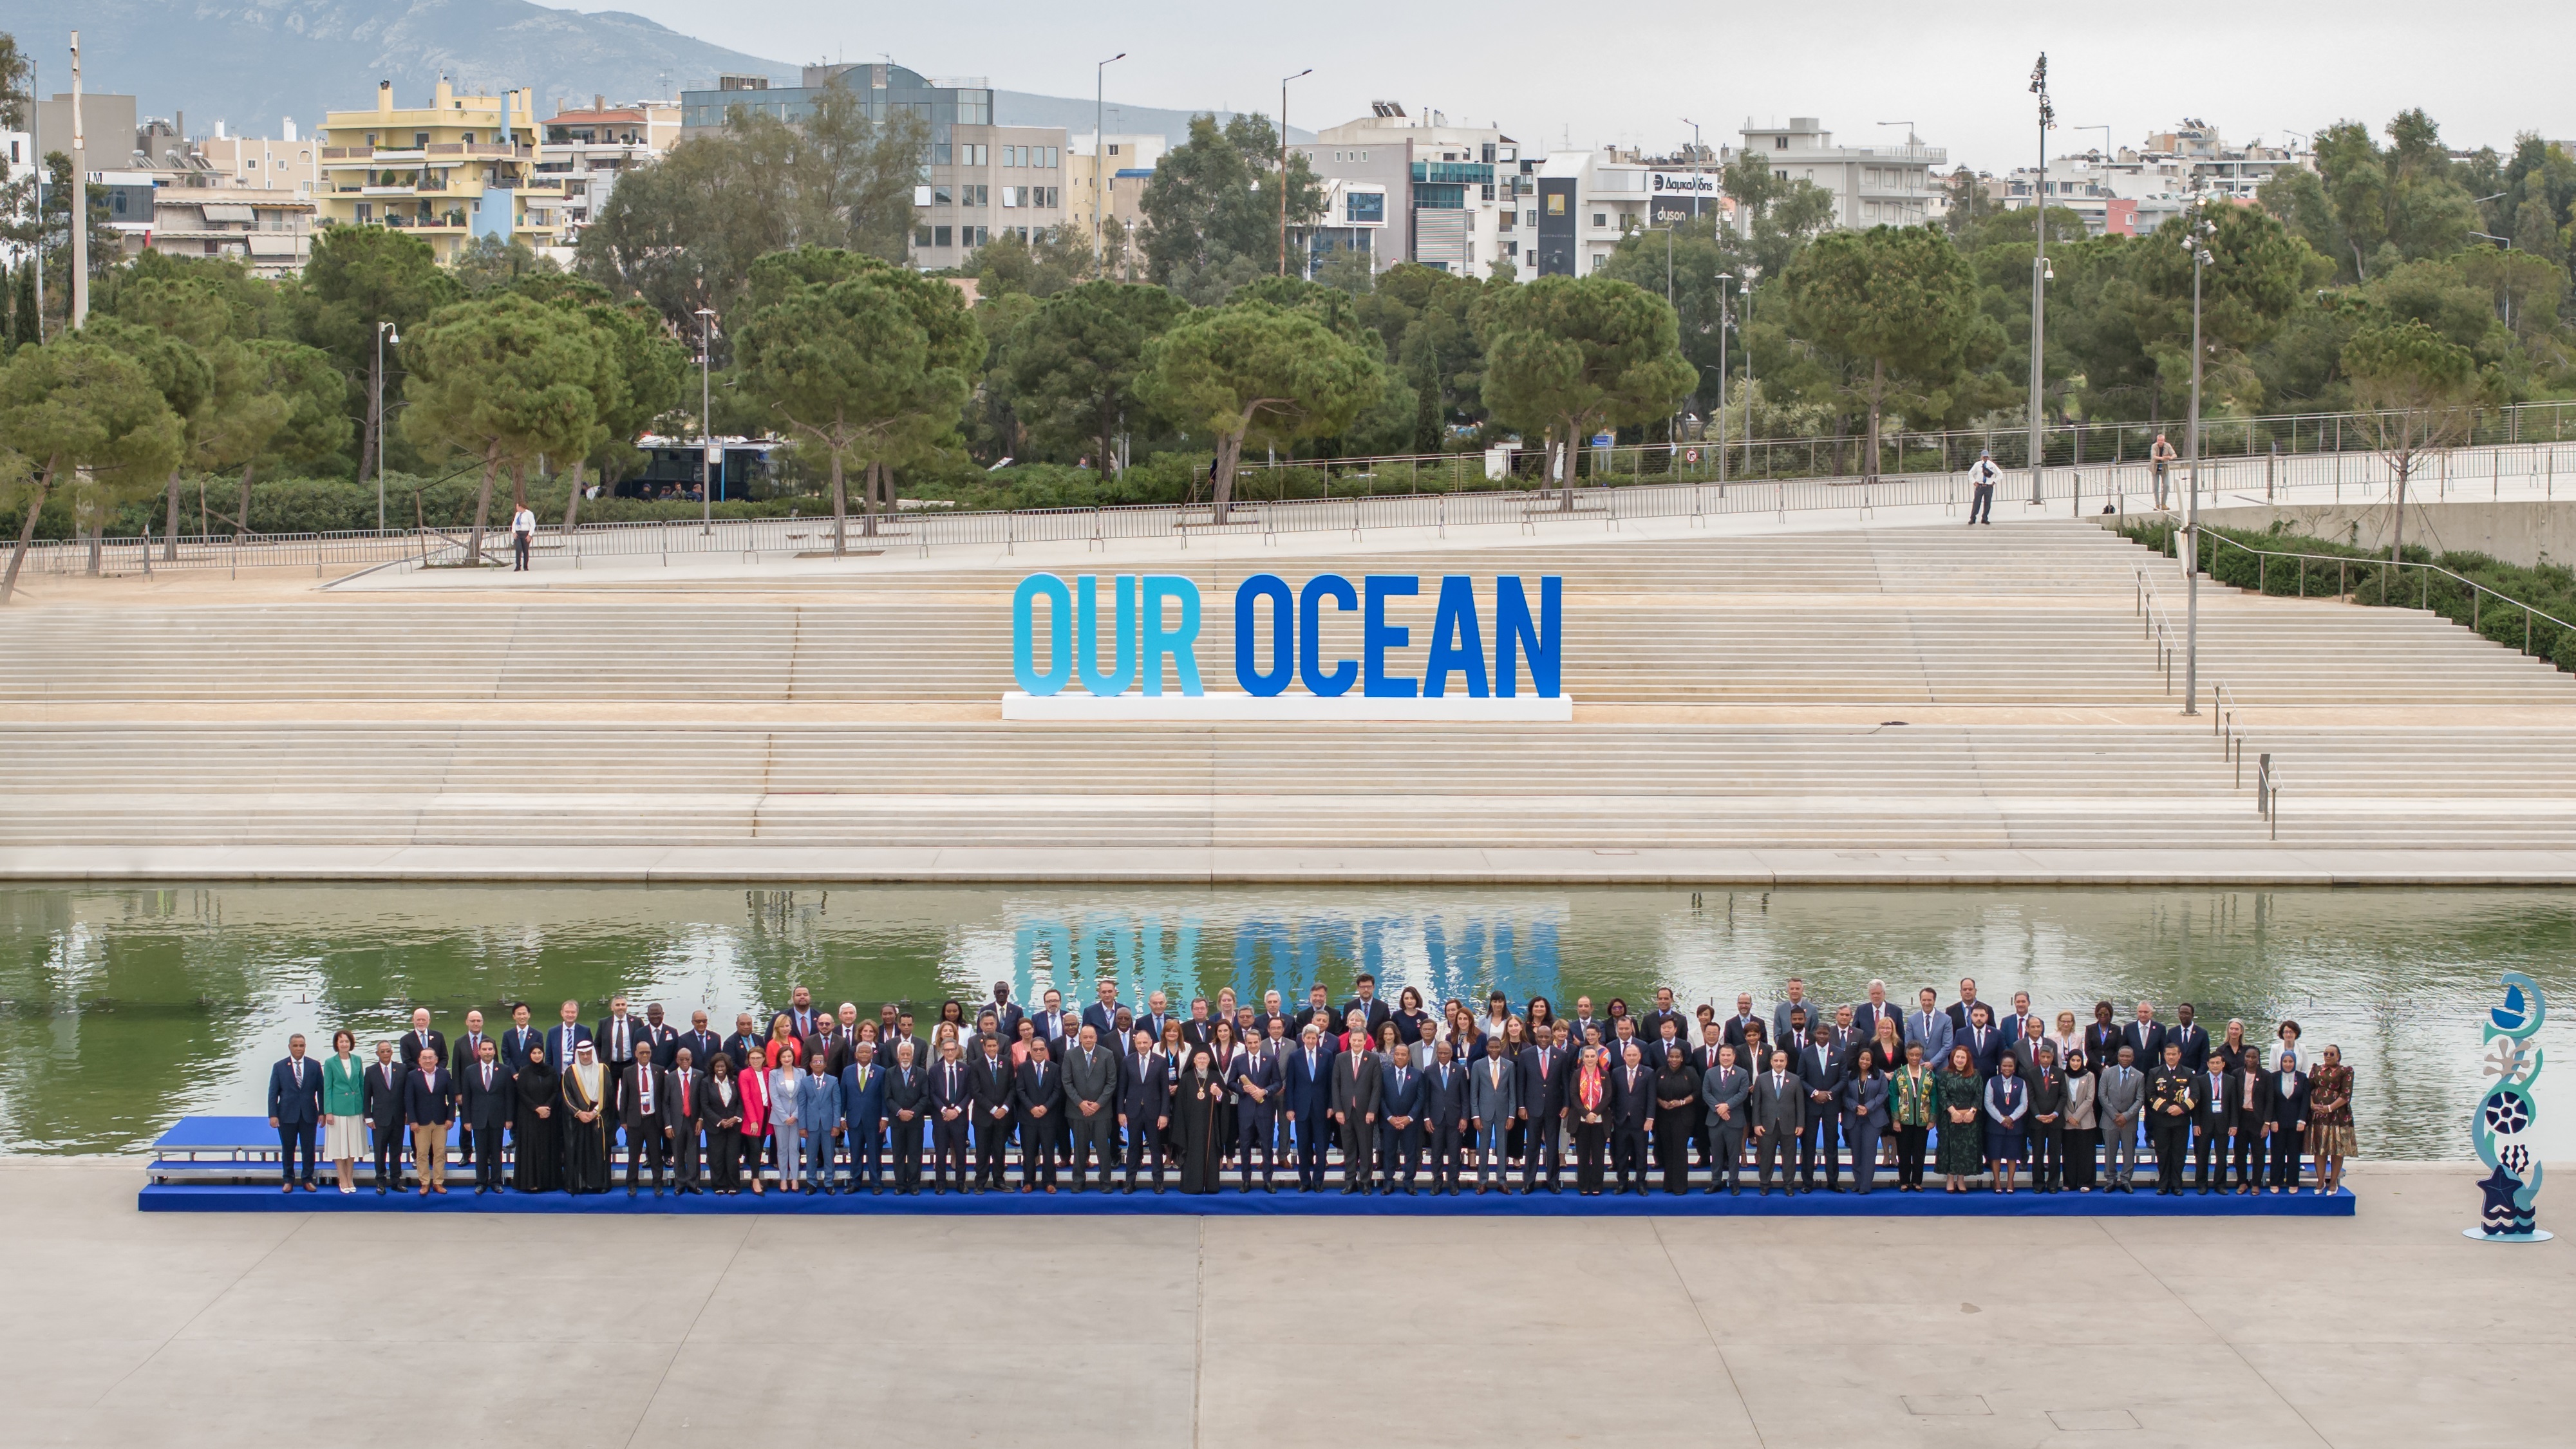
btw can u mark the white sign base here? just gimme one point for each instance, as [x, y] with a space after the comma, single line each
[1080, 706]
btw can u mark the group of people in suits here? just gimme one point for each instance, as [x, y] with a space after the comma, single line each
[1371, 1095]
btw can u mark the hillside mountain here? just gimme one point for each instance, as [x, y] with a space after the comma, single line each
[250, 63]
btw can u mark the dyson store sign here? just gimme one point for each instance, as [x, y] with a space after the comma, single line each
[1379, 647]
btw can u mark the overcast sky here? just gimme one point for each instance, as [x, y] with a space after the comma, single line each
[1547, 71]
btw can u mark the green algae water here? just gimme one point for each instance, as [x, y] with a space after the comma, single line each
[123, 1008]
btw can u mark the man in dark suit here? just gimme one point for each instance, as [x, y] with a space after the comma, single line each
[420, 1038]
[1366, 1002]
[684, 1091]
[1054, 1022]
[1963, 1010]
[640, 1100]
[863, 1117]
[952, 1116]
[907, 1113]
[1400, 1147]
[619, 1036]
[1254, 1079]
[469, 1141]
[1726, 1090]
[516, 1041]
[746, 1043]
[295, 1110]
[992, 1092]
[485, 1094]
[1144, 1105]
[2192, 1038]
[1038, 1099]
[1102, 1015]
[1091, 1104]
[1779, 1118]
[1444, 1116]
[2145, 1036]
[1984, 1041]
[1651, 1026]
[1632, 1102]
[1358, 1095]
[659, 1033]
[702, 1044]
[1820, 1067]
[1006, 1013]
[384, 1084]
[1307, 1089]
[1544, 1074]
[2014, 1023]
[2172, 1101]
[563, 1040]
[2285, 1110]
[1866, 1016]
[429, 1105]
[800, 1009]
[2213, 1131]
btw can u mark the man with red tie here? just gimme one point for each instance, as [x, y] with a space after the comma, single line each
[487, 1097]
[683, 1090]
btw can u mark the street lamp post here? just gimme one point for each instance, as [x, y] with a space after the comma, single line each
[2039, 276]
[1099, 151]
[1283, 166]
[384, 330]
[706, 421]
[2200, 231]
[1724, 321]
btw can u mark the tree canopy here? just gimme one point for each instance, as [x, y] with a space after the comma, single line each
[1256, 372]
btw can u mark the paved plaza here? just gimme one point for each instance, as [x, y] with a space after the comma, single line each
[211, 1329]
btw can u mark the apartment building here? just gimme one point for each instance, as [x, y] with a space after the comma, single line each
[268, 230]
[1407, 188]
[1578, 206]
[1882, 184]
[982, 180]
[287, 163]
[586, 150]
[456, 170]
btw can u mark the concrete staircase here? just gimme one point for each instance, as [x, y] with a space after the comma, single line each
[1734, 694]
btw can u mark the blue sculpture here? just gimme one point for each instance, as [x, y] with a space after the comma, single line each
[2505, 1113]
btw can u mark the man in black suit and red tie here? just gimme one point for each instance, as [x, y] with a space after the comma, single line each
[487, 1098]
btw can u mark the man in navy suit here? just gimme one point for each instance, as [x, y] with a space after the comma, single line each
[990, 1079]
[561, 1041]
[1820, 1069]
[1400, 1146]
[1632, 1102]
[1144, 1105]
[1984, 1041]
[2145, 1036]
[1006, 1012]
[701, 1043]
[384, 1084]
[295, 1110]
[516, 1041]
[429, 1105]
[2192, 1038]
[1545, 1072]
[863, 1112]
[1652, 1026]
[745, 1045]
[1308, 1086]
[1102, 1015]
[469, 1138]
[1963, 1011]
[2013, 1026]
[1254, 1078]
[1444, 1116]
[487, 1098]
[1865, 1017]
[1038, 1094]
[952, 1114]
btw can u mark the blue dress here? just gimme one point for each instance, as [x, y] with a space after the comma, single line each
[2007, 1118]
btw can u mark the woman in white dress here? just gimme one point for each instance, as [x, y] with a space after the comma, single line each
[344, 1108]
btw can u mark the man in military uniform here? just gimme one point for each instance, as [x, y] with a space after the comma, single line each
[2172, 1095]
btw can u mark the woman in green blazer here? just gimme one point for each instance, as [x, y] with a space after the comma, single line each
[344, 1108]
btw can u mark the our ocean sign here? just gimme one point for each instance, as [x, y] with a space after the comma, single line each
[1381, 646]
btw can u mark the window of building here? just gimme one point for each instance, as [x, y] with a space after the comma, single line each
[1113, 150]
[421, 138]
[1601, 219]
[1364, 206]
[940, 154]
[1781, 143]
[939, 236]
[1556, 206]
[367, 212]
[1504, 222]
[1364, 157]
[1511, 249]
[1489, 191]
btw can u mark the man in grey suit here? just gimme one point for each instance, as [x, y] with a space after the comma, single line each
[1928, 1026]
[1493, 1099]
[1356, 1095]
[1727, 1090]
[1091, 1104]
[1796, 1000]
[2026, 1048]
[1779, 1115]
[2118, 1103]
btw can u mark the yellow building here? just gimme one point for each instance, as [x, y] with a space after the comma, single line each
[457, 169]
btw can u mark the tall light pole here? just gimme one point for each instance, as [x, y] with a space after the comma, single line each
[80, 202]
[383, 331]
[2200, 232]
[706, 420]
[1694, 125]
[1724, 321]
[1099, 150]
[1283, 166]
[2039, 274]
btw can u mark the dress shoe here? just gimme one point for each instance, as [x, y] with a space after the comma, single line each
[1766, 1192]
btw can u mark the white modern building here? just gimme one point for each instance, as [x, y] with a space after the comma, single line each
[2139, 188]
[1885, 183]
[1408, 188]
[1576, 205]
[588, 149]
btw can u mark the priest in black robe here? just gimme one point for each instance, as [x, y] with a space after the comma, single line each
[1198, 1103]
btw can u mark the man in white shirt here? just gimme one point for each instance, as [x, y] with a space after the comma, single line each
[523, 531]
[1982, 478]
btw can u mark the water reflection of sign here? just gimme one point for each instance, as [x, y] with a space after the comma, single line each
[1462, 953]
[2505, 1113]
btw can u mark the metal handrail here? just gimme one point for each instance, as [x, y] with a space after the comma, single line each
[2157, 627]
[2231, 740]
[2476, 597]
[2267, 792]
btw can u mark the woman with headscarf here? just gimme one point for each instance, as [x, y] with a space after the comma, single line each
[2330, 1119]
[1588, 1110]
[585, 1129]
[536, 1126]
[1198, 1099]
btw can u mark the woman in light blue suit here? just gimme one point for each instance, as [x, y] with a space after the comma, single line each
[1864, 1115]
[818, 1107]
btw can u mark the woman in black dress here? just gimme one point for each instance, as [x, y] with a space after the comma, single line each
[1221, 1050]
[1676, 1088]
[535, 1127]
[723, 1116]
[585, 1128]
[1196, 1100]
[1411, 1021]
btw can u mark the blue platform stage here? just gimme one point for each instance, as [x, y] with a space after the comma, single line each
[229, 1164]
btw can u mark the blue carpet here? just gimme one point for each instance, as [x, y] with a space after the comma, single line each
[195, 1197]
